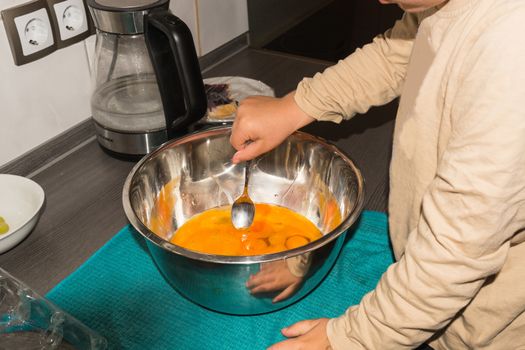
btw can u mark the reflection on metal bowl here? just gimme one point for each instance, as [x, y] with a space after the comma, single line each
[305, 174]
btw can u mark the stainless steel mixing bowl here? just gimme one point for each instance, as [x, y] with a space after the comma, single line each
[305, 174]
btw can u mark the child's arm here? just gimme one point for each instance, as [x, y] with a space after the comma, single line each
[371, 76]
[472, 213]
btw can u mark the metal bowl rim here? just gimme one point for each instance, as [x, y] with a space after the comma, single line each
[170, 247]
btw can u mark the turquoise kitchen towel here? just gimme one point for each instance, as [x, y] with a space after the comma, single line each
[120, 293]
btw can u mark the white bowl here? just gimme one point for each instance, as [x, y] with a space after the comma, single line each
[21, 200]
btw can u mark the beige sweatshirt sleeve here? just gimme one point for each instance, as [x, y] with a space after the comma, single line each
[468, 213]
[371, 76]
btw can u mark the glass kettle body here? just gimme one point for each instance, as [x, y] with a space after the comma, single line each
[147, 84]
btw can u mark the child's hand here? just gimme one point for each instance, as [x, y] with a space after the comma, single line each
[262, 123]
[274, 276]
[309, 334]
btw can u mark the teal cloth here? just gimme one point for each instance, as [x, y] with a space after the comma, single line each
[119, 293]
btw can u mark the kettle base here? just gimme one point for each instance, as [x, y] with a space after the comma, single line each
[129, 143]
[122, 156]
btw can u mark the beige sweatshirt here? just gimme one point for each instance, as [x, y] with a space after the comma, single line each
[457, 191]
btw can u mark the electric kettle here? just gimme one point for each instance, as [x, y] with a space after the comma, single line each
[147, 83]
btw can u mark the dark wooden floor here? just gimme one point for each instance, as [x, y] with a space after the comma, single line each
[336, 30]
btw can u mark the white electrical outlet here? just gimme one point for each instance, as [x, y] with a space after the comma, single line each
[71, 18]
[34, 31]
[30, 31]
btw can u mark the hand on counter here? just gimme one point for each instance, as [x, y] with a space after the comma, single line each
[304, 335]
[262, 123]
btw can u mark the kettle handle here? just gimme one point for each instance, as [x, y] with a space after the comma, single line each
[172, 52]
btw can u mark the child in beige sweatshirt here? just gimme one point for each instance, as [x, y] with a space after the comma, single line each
[457, 175]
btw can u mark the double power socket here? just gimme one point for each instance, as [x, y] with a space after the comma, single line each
[37, 28]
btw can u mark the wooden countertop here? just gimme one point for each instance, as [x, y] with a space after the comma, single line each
[83, 188]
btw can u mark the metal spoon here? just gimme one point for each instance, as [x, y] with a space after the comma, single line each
[243, 209]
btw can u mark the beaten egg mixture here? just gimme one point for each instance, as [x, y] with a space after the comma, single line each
[274, 229]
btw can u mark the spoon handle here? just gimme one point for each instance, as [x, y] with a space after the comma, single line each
[247, 167]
